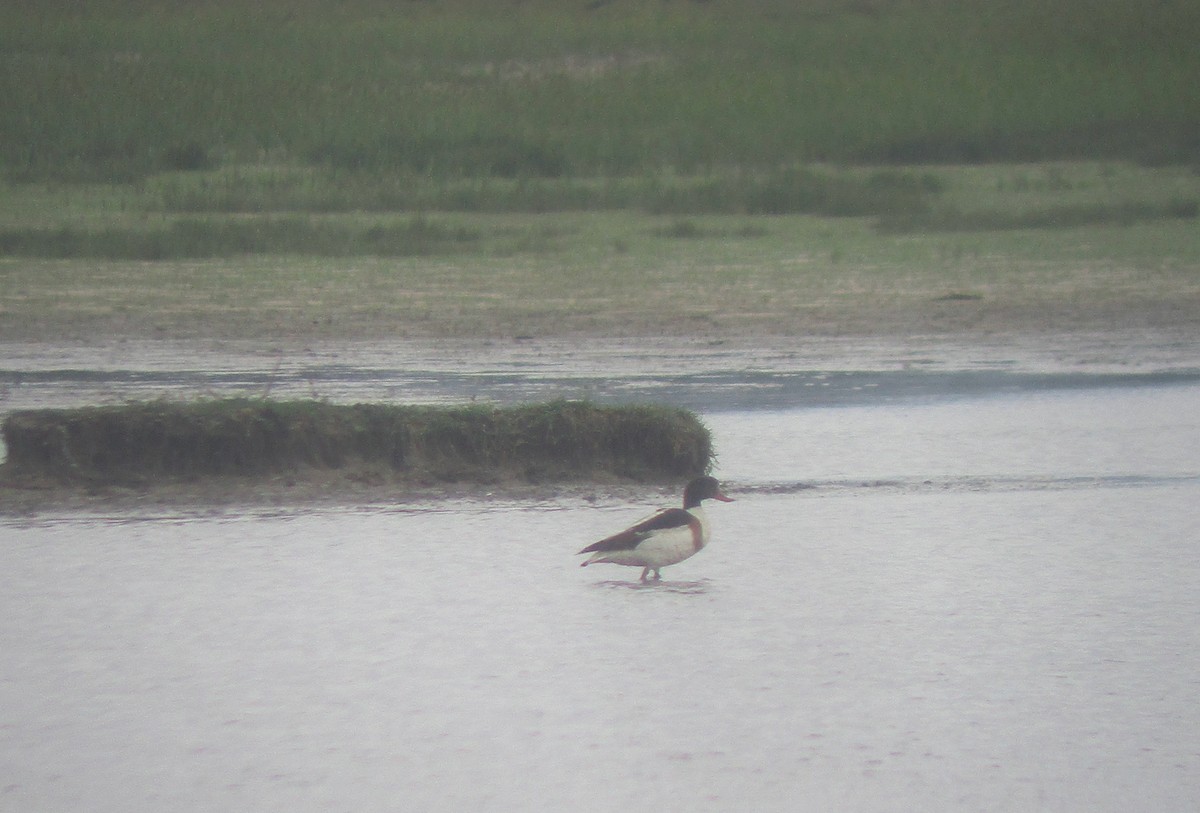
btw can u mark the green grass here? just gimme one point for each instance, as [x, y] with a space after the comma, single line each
[140, 442]
[1064, 216]
[117, 91]
[788, 190]
[1052, 196]
[191, 238]
[223, 213]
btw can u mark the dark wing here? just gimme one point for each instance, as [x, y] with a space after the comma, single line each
[629, 538]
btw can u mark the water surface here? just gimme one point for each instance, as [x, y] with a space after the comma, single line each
[945, 597]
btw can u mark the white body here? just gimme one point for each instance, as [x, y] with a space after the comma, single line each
[661, 548]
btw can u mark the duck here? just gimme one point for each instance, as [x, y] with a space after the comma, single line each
[666, 538]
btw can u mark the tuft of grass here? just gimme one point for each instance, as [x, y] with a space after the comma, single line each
[1065, 216]
[223, 237]
[687, 229]
[792, 190]
[797, 190]
[140, 442]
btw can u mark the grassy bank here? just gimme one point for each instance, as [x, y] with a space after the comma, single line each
[118, 90]
[142, 443]
[1065, 246]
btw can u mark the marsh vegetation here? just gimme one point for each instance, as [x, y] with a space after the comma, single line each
[143, 443]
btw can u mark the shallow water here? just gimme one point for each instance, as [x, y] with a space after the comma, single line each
[925, 598]
[706, 376]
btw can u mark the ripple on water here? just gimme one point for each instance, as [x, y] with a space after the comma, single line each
[689, 588]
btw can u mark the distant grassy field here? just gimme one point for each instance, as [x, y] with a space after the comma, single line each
[119, 89]
[462, 167]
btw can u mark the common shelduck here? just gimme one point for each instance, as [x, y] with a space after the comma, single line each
[667, 538]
